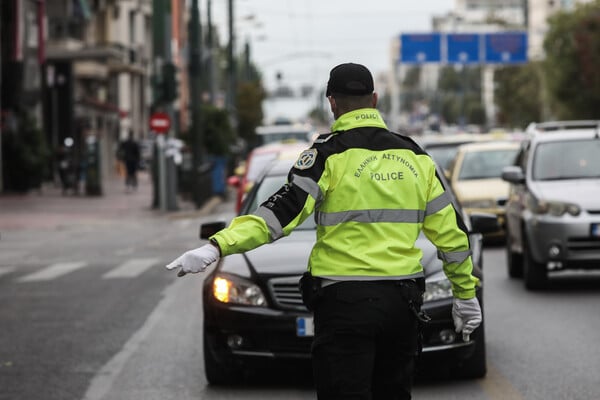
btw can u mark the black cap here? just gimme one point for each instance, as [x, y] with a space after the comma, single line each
[350, 79]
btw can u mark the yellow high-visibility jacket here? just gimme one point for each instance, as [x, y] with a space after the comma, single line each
[372, 192]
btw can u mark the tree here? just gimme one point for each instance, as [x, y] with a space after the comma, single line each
[572, 47]
[461, 95]
[517, 95]
[24, 149]
[249, 106]
[218, 134]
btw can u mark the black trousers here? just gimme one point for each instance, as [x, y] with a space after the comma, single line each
[131, 177]
[366, 340]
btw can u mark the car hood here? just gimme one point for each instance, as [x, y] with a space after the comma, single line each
[585, 192]
[472, 189]
[289, 256]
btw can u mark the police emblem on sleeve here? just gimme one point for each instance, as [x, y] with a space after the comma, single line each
[306, 159]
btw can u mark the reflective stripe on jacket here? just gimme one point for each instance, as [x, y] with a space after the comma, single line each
[372, 191]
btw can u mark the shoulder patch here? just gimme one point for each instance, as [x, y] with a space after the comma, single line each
[306, 159]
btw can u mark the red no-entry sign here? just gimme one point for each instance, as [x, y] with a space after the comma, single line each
[160, 122]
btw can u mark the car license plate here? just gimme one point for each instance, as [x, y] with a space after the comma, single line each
[305, 326]
[596, 230]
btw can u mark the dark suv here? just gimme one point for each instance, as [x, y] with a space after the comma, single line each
[553, 209]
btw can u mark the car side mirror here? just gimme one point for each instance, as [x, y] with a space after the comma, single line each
[210, 228]
[484, 222]
[513, 174]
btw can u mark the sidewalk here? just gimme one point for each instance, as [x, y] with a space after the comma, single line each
[50, 209]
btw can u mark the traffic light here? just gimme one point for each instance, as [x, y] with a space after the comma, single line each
[166, 85]
[169, 82]
[157, 89]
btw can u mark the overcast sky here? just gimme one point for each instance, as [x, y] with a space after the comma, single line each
[304, 39]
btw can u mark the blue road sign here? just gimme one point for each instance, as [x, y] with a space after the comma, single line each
[463, 48]
[420, 48]
[506, 48]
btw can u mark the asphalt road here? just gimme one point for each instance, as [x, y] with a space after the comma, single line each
[89, 312]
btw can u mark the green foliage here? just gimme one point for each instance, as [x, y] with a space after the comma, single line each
[460, 91]
[249, 106]
[412, 77]
[24, 150]
[449, 80]
[517, 95]
[572, 47]
[218, 134]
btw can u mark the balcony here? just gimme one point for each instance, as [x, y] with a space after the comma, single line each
[65, 28]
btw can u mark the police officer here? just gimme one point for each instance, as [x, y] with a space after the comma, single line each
[372, 192]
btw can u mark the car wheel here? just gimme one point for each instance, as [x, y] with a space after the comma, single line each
[475, 365]
[534, 273]
[514, 261]
[217, 373]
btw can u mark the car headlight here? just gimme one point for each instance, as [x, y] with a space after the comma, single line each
[482, 203]
[437, 289]
[235, 290]
[555, 208]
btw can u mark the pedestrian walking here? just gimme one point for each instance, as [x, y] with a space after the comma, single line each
[129, 153]
[372, 191]
[67, 171]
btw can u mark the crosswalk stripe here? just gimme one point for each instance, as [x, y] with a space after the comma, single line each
[6, 270]
[131, 268]
[53, 271]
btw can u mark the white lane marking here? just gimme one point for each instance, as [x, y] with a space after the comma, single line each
[6, 270]
[105, 378]
[53, 271]
[131, 268]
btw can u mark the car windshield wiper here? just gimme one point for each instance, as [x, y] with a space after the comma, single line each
[568, 177]
[472, 178]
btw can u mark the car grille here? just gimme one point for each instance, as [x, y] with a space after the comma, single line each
[286, 294]
[584, 245]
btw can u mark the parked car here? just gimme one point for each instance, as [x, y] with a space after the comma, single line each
[285, 132]
[253, 310]
[553, 209]
[443, 148]
[256, 161]
[475, 176]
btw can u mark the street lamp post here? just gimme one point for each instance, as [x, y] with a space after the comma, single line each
[199, 167]
[231, 67]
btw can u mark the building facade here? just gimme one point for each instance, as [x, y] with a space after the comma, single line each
[80, 70]
[97, 78]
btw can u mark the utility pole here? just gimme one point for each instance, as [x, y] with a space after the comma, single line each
[199, 173]
[165, 176]
[212, 82]
[1, 161]
[232, 83]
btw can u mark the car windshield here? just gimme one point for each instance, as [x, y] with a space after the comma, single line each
[443, 155]
[486, 164]
[284, 137]
[567, 160]
[266, 188]
[258, 162]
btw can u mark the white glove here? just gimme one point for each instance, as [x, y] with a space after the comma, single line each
[196, 260]
[466, 315]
